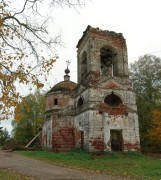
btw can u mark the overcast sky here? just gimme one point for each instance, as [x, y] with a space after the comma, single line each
[138, 20]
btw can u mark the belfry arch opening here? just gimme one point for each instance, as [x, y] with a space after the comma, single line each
[113, 100]
[107, 61]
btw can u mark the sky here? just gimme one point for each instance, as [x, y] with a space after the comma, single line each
[138, 20]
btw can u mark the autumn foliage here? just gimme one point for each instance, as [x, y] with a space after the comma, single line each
[146, 77]
[154, 132]
[22, 56]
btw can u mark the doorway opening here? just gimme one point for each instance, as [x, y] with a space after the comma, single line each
[116, 140]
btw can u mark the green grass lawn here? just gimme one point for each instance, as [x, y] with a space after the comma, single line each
[7, 175]
[130, 164]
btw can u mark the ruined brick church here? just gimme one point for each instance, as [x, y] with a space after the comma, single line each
[98, 113]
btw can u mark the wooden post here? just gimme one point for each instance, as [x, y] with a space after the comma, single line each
[32, 140]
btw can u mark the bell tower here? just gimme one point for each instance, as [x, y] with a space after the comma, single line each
[101, 54]
[105, 105]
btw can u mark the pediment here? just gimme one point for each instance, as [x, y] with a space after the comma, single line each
[111, 84]
[117, 83]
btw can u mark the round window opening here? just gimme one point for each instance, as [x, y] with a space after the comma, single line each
[113, 100]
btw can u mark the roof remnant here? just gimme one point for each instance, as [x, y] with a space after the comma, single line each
[105, 32]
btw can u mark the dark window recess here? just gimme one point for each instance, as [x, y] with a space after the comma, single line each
[80, 102]
[106, 57]
[84, 64]
[48, 116]
[107, 62]
[113, 100]
[55, 102]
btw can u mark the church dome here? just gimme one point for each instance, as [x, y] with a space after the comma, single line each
[63, 86]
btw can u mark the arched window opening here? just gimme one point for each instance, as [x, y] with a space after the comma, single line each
[84, 64]
[55, 102]
[113, 100]
[107, 57]
[80, 102]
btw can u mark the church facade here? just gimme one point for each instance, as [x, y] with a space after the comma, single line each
[98, 113]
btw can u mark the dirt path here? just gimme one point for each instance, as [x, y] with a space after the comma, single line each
[40, 170]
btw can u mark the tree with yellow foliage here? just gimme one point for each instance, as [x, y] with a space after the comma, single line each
[154, 133]
[146, 77]
[27, 52]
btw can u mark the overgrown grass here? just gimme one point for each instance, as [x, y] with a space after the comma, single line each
[130, 164]
[7, 175]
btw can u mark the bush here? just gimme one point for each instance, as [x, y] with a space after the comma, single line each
[12, 145]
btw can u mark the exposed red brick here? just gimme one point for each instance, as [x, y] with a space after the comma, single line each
[66, 138]
[94, 77]
[129, 147]
[44, 139]
[63, 139]
[119, 110]
[117, 42]
[112, 85]
[98, 144]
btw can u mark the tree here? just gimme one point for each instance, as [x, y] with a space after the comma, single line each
[146, 76]
[154, 132]
[29, 116]
[4, 137]
[27, 52]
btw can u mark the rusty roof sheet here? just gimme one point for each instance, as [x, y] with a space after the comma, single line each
[63, 86]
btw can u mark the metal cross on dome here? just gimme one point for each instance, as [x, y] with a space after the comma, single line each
[68, 63]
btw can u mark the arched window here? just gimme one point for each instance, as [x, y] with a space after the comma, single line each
[107, 57]
[113, 100]
[80, 102]
[84, 64]
[55, 102]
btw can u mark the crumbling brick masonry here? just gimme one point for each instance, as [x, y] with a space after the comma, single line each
[98, 113]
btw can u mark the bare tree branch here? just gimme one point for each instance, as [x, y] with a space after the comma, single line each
[24, 6]
[27, 52]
